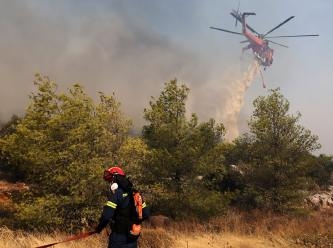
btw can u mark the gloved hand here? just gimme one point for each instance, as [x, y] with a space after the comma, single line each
[101, 224]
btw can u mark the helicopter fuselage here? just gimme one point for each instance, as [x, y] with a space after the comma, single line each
[259, 46]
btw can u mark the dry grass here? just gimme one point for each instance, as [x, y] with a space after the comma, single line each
[156, 238]
[230, 240]
[234, 230]
[150, 239]
[259, 224]
[10, 239]
[255, 229]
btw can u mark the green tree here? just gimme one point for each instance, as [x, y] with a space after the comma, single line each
[320, 170]
[131, 156]
[276, 151]
[9, 127]
[181, 151]
[61, 146]
[6, 170]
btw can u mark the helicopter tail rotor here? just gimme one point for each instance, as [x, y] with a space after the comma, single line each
[237, 14]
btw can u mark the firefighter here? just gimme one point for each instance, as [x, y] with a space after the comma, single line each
[118, 211]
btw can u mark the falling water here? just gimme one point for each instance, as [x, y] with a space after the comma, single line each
[234, 103]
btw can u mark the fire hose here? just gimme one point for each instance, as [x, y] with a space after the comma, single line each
[71, 238]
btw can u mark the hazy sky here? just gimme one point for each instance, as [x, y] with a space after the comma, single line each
[133, 47]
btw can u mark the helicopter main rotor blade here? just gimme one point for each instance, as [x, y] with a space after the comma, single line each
[278, 44]
[244, 41]
[224, 30]
[287, 20]
[287, 36]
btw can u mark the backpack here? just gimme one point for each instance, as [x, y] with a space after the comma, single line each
[136, 218]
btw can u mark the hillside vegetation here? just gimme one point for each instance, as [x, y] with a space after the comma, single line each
[184, 167]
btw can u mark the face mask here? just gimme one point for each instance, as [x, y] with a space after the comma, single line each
[113, 187]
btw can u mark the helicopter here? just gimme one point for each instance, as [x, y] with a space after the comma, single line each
[259, 43]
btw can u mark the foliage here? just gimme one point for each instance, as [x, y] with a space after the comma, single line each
[8, 171]
[275, 152]
[320, 169]
[9, 127]
[181, 152]
[131, 155]
[60, 148]
[64, 141]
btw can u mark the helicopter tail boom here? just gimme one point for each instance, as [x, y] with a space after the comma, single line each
[243, 19]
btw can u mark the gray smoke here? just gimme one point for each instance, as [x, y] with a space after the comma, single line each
[105, 51]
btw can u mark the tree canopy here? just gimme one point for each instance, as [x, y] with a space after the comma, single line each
[184, 167]
[181, 151]
[276, 150]
[61, 147]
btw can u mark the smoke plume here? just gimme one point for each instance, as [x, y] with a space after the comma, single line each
[110, 51]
